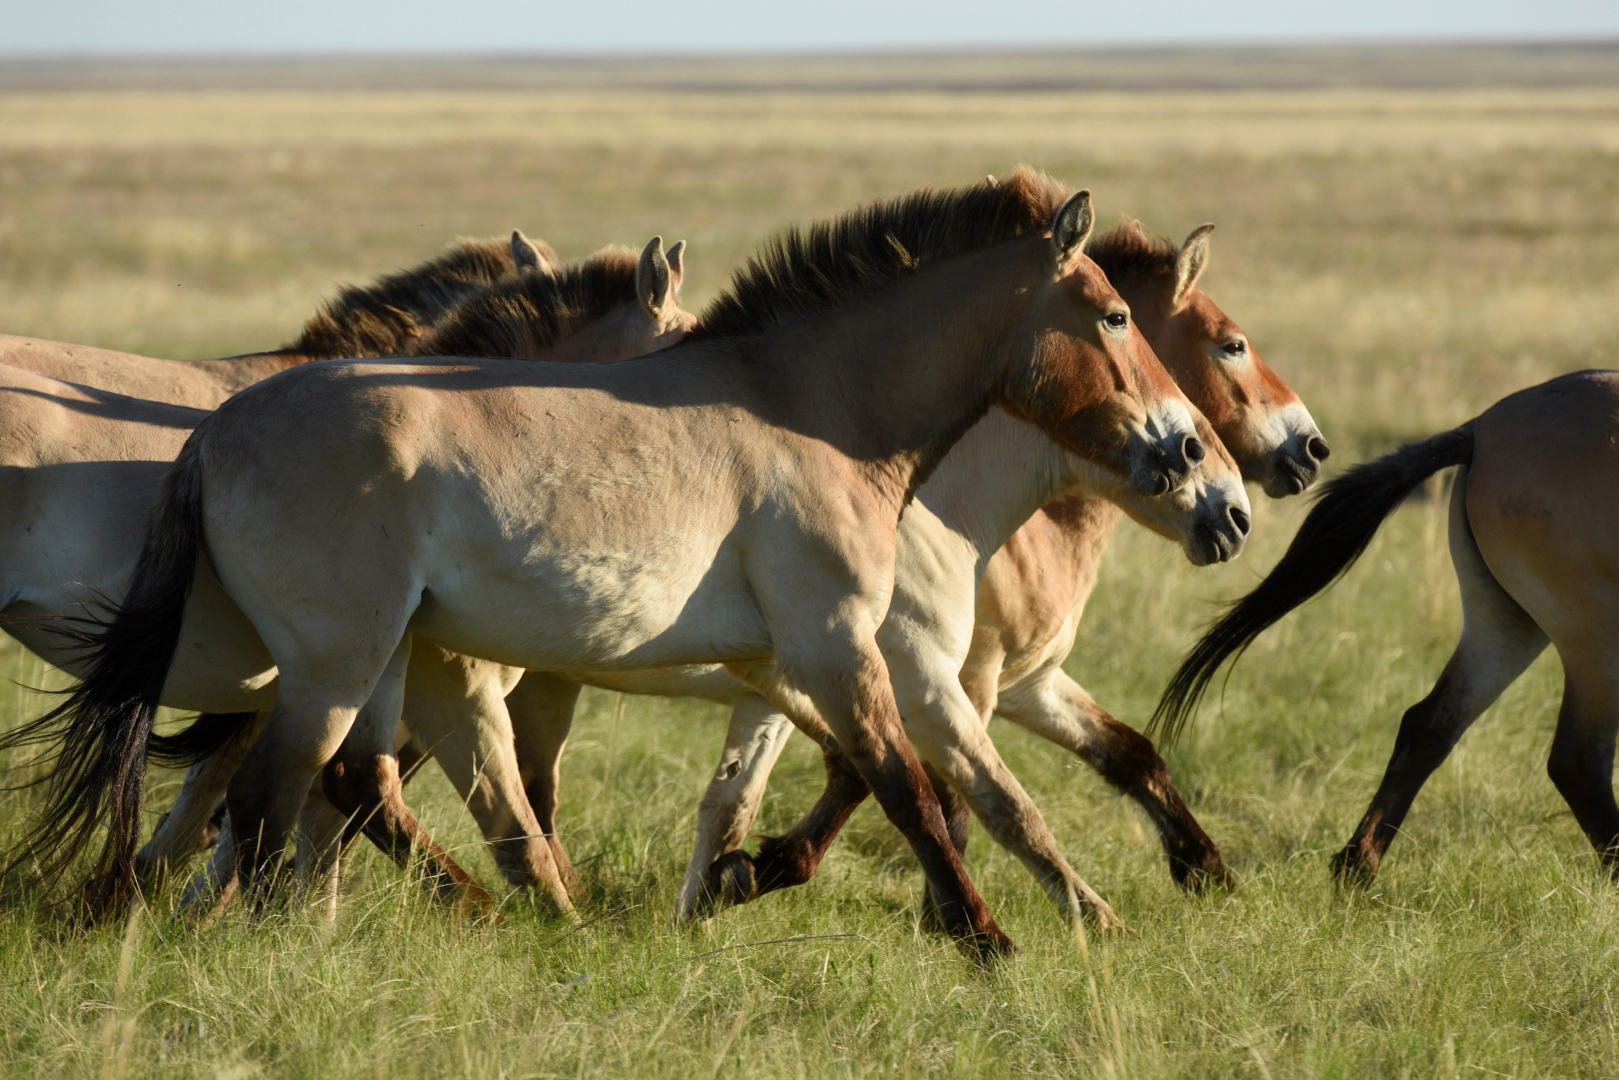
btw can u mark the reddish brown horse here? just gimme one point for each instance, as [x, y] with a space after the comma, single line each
[1532, 539]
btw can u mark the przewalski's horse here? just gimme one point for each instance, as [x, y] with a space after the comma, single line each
[1028, 608]
[381, 319]
[607, 307]
[81, 471]
[1532, 541]
[732, 499]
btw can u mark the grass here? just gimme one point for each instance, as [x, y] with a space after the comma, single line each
[1403, 258]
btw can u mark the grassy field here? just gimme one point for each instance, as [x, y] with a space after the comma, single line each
[1403, 257]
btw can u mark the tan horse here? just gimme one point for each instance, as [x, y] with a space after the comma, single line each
[81, 469]
[381, 319]
[1532, 540]
[1028, 608]
[732, 499]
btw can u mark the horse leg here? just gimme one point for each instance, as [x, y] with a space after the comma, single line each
[541, 710]
[843, 680]
[211, 890]
[320, 853]
[753, 741]
[1581, 763]
[361, 779]
[1499, 640]
[957, 817]
[184, 829]
[1055, 707]
[456, 705]
[948, 733]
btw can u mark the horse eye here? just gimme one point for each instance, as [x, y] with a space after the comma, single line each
[1236, 348]
[1118, 320]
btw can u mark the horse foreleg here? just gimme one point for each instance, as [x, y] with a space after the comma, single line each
[1057, 708]
[753, 741]
[949, 735]
[845, 683]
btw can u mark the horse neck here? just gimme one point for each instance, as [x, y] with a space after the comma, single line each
[1085, 523]
[894, 381]
[995, 478]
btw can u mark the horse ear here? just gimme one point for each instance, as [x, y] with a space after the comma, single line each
[526, 253]
[1189, 264]
[677, 263]
[653, 281]
[1071, 227]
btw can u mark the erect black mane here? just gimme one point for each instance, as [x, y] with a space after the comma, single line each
[385, 317]
[522, 316]
[1129, 254]
[805, 271]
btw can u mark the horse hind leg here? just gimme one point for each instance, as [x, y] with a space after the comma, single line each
[1581, 762]
[362, 781]
[191, 825]
[1499, 641]
[1057, 708]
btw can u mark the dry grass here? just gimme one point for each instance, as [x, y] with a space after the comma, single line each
[1403, 258]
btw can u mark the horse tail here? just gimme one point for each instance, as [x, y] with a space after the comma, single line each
[101, 732]
[1346, 515]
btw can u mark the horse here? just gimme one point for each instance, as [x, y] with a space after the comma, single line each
[82, 469]
[1027, 611]
[1531, 541]
[380, 319]
[734, 498]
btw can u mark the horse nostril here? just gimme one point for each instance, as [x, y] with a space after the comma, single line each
[1194, 449]
[1239, 518]
[1317, 448]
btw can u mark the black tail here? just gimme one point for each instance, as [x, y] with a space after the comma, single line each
[1346, 516]
[102, 731]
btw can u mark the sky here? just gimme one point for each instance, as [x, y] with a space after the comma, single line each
[684, 26]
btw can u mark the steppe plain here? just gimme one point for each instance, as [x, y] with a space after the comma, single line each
[1403, 250]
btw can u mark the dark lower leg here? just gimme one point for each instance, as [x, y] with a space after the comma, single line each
[1581, 765]
[367, 791]
[1127, 760]
[957, 817]
[793, 857]
[1428, 732]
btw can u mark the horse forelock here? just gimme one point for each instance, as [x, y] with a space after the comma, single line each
[385, 317]
[1131, 254]
[525, 315]
[802, 272]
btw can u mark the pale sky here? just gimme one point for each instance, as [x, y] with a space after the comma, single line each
[593, 26]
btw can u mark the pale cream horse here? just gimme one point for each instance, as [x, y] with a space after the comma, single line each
[734, 499]
[81, 470]
[1027, 610]
[1532, 540]
[381, 319]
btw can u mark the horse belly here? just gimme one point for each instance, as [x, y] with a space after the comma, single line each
[590, 610]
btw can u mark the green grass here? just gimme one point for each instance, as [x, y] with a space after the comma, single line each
[1399, 288]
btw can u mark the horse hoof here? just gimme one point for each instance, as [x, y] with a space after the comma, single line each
[730, 880]
[1354, 867]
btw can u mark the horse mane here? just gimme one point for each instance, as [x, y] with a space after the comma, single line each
[1130, 253]
[802, 272]
[521, 317]
[385, 317]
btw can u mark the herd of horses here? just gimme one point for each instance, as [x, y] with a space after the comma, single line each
[865, 495]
